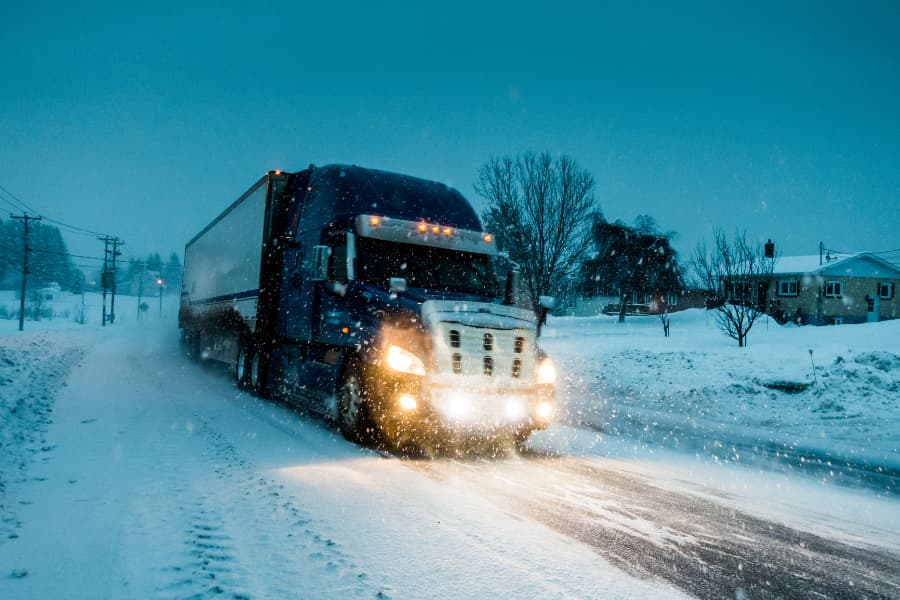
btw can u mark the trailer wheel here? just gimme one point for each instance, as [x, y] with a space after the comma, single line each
[255, 380]
[242, 367]
[353, 416]
[190, 341]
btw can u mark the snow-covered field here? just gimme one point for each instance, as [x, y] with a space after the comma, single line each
[127, 471]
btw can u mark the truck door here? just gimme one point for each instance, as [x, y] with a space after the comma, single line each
[332, 315]
[300, 291]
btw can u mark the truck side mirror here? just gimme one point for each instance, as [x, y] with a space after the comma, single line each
[397, 284]
[319, 267]
[512, 288]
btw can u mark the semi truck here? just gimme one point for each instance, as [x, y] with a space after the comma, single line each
[370, 297]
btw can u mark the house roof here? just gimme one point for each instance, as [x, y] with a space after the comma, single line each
[839, 264]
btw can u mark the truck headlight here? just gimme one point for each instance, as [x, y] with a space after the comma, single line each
[544, 410]
[546, 372]
[404, 361]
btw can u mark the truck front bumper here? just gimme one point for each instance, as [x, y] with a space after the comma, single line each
[417, 408]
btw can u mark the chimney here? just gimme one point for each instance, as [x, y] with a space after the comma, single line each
[770, 249]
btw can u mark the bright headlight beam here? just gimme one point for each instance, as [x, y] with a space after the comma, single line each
[404, 361]
[544, 410]
[546, 372]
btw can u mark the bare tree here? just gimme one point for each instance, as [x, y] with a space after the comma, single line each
[738, 274]
[538, 209]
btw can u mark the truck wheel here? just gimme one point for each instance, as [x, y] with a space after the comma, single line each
[242, 367]
[520, 437]
[352, 410]
[191, 343]
[254, 375]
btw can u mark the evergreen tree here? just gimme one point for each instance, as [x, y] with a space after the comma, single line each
[155, 263]
[48, 260]
[630, 260]
[173, 273]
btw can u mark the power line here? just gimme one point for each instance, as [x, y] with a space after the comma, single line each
[23, 207]
[74, 229]
[10, 204]
[68, 254]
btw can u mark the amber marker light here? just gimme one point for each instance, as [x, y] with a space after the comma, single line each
[374, 221]
[435, 230]
[423, 227]
[488, 238]
[447, 231]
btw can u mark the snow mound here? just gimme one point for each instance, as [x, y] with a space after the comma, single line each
[830, 395]
[883, 361]
[32, 369]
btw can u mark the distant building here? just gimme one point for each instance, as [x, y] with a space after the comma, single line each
[833, 290]
[642, 304]
[46, 294]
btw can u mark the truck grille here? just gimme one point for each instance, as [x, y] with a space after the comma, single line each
[497, 354]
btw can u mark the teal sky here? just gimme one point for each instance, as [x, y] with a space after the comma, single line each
[779, 118]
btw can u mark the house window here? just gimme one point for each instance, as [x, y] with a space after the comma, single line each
[834, 289]
[886, 290]
[672, 299]
[787, 287]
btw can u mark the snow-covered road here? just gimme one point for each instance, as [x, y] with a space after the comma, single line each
[154, 477]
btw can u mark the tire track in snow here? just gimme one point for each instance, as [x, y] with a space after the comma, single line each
[242, 536]
[702, 547]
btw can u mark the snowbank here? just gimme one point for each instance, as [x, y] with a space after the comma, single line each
[824, 399]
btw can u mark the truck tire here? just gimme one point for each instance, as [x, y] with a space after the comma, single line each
[259, 372]
[255, 372]
[242, 366]
[520, 437]
[190, 341]
[353, 414]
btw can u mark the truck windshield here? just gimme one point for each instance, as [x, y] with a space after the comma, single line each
[433, 269]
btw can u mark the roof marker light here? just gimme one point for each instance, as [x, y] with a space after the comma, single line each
[374, 221]
[447, 231]
[435, 229]
[488, 238]
[423, 227]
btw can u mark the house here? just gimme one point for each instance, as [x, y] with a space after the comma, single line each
[831, 290]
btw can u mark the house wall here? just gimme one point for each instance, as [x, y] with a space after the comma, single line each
[851, 307]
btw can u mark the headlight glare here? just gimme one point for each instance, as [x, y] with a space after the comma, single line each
[546, 372]
[544, 410]
[402, 360]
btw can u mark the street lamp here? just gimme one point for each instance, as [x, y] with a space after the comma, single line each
[159, 282]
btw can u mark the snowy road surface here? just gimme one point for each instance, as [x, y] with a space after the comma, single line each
[150, 476]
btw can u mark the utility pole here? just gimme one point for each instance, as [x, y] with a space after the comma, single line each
[25, 250]
[141, 289]
[112, 309]
[160, 282]
[104, 278]
[108, 278]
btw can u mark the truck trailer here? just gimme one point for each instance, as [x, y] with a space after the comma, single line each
[370, 297]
